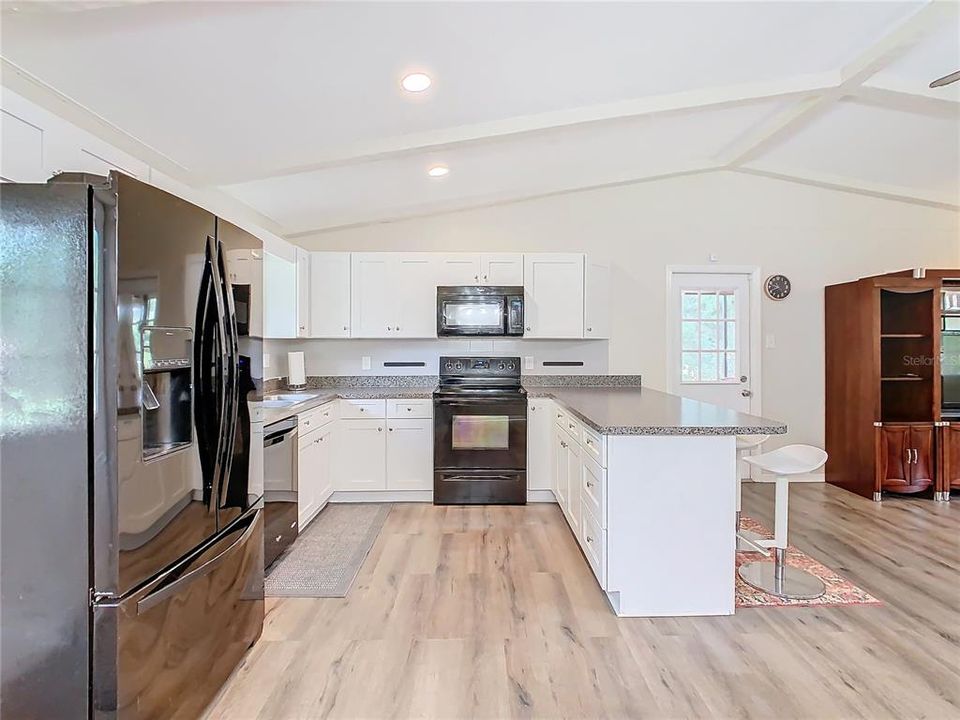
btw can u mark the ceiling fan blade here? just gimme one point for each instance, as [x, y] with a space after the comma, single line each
[946, 80]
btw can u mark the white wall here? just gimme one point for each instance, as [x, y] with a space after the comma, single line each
[344, 357]
[815, 236]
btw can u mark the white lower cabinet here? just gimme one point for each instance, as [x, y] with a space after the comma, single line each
[409, 454]
[314, 473]
[579, 482]
[361, 454]
[539, 441]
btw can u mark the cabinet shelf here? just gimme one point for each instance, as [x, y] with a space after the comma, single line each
[903, 378]
[888, 336]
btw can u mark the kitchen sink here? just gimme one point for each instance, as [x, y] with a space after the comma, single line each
[283, 400]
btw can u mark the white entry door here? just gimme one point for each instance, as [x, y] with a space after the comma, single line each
[709, 338]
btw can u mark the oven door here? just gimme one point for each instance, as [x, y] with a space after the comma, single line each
[480, 433]
[471, 315]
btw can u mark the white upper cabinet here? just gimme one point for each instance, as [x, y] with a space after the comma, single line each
[329, 295]
[501, 269]
[279, 297]
[372, 295]
[394, 295]
[303, 293]
[553, 295]
[415, 295]
[458, 269]
[596, 299]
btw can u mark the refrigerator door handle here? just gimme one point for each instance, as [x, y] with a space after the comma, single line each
[223, 363]
[205, 381]
[232, 376]
[167, 590]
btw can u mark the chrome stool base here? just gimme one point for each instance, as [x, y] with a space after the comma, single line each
[778, 578]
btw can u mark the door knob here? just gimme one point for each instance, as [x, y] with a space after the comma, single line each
[746, 393]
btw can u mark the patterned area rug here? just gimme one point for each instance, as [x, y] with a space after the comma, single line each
[325, 559]
[840, 591]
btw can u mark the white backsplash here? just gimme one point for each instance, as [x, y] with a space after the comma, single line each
[345, 357]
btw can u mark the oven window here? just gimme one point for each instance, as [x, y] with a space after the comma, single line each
[481, 432]
[469, 314]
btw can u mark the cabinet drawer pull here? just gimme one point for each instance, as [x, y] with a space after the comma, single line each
[589, 441]
[409, 409]
[571, 426]
[589, 484]
[916, 456]
[589, 539]
[562, 444]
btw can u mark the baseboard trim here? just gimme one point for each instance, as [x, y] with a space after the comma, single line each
[381, 496]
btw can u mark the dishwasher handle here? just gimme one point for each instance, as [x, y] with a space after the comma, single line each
[277, 432]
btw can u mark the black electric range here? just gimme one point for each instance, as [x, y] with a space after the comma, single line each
[480, 432]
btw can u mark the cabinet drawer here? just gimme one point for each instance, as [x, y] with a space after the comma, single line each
[420, 409]
[315, 419]
[594, 488]
[572, 427]
[559, 415]
[594, 445]
[306, 438]
[594, 545]
[359, 409]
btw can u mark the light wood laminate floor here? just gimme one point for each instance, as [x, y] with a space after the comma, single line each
[490, 612]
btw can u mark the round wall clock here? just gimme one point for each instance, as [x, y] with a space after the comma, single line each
[777, 287]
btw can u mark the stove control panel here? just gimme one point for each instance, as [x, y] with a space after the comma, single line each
[480, 366]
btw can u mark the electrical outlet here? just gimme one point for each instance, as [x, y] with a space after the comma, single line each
[365, 362]
[266, 360]
[528, 362]
[770, 341]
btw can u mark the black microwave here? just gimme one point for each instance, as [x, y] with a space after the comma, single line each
[479, 310]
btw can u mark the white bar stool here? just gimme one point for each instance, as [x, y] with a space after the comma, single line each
[746, 540]
[777, 578]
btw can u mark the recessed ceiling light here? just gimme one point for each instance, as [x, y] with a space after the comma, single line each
[415, 82]
[438, 171]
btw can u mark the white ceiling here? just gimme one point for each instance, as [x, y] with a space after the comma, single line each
[295, 108]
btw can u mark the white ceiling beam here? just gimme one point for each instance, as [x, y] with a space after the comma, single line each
[477, 203]
[858, 187]
[919, 103]
[443, 139]
[852, 76]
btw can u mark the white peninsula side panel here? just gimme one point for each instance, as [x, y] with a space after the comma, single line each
[671, 543]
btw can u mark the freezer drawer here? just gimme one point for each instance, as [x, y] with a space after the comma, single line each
[164, 652]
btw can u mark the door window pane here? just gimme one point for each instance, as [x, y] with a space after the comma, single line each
[709, 307]
[709, 370]
[708, 336]
[690, 368]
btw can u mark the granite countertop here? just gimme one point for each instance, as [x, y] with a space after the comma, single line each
[642, 411]
[319, 396]
[610, 405]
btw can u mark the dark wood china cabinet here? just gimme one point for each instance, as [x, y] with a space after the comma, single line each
[885, 428]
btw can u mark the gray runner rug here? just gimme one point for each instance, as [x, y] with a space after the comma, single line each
[325, 559]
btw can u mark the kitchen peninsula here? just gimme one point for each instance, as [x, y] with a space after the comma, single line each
[646, 480]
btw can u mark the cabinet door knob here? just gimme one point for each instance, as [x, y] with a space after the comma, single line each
[379, 429]
[589, 484]
[589, 539]
[278, 538]
[345, 327]
[589, 329]
[476, 278]
[389, 328]
[484, 278]
[528, 328]
[390, 429]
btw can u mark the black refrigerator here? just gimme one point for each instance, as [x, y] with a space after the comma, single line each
[131, 528]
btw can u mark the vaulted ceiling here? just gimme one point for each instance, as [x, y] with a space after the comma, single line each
[296, 108]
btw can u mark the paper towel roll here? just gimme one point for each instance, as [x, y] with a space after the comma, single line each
[296, 375]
